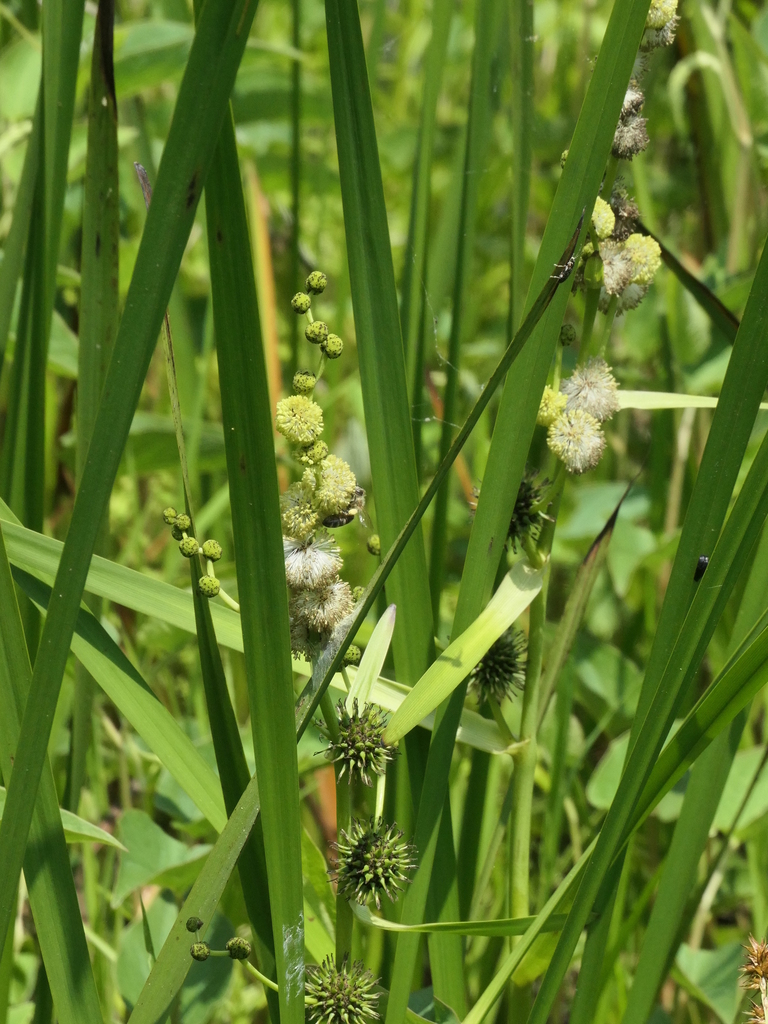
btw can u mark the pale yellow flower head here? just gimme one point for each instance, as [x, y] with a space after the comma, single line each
[645, 254]
[299, 419]
[297, 511]
[552, 405]
[323, 609]
[336, 486]
[592, 388]
[603, 219]
[661, 12]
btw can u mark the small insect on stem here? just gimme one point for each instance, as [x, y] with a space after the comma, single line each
[562, 270]
[701, 567]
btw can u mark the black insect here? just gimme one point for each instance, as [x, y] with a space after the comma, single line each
[701, 567]
[562, 270]
[356, 507]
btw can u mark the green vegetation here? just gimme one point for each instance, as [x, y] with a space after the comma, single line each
[433, 339]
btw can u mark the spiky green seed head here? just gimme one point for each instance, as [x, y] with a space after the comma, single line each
[372, 860]
[374, 544]
[189, 547]
[340, 996]
[357, 594]
[333, 346]
[311, 454]
[316, 332]
[304, 382]
[567, 335]
[527, 520]
[183, 521]
[502, 668]
[359, 748]
[316, 282]
[194, 924]
[208, 586]
[300, 302]
[212, 550]
[353, 655]
[200, 951]
[238, 949]
[169, 515]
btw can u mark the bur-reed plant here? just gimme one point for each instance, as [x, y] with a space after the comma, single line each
[503, 758]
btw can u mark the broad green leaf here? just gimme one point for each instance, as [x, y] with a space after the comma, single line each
[372, 661]
[77, 829]
[516, 591]
[249, 440]
[712, 976]
[150, 854]
[667, 400]
[319, 901]
[501, 926]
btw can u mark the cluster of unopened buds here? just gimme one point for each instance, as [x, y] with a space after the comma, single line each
[236, 948]
[180, 524]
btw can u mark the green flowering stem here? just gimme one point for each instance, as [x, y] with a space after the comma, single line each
[591, 301]
[345, 677]
[321, 365]
[500, 720]
[229, 601]
[557, 372]
[344, 915]
[610, 316]
[526, 754]
[610, 177]
[265, 981]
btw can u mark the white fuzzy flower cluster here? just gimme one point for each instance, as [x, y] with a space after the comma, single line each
[589, 398]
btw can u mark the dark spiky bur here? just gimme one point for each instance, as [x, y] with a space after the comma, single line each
[527, 518]
[359, 749]
[345, 995]
[372, 860]
[755, 977]
[502, 668]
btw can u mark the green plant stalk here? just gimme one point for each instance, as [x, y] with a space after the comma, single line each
[246, 413]
[344, 916]
[13, 249]
[591, 300]
[414, 263]
[486, 21]
[98, 320]
[202, 99]
[295, 256]
[522, 108]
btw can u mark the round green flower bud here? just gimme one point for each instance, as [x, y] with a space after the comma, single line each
[304, 382]
[311, 454]
[333, 346]
[169, 515]
[316, 332]
[374, 544]
[208, 586]
[567, 334]
[189, 547]
[353, 655]
[238, 949]
[194, 924]
[212, 550]
[183, 521]
[357, 594]
[316, 282]
[300, 302]
[200, 951]
[176, 532]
